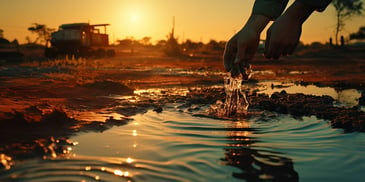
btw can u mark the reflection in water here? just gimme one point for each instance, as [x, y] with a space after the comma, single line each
[6, 161]
[256, 165]
[176, 146]
[60, 163]
[121, 173]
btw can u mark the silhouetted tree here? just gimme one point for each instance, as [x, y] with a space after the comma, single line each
[146, 41]
[125, 42]
[161, 43]
[130, 43]
[358, 35]
[213, 45]
[189, 45]
[4, 43]
[43, 33]
[172, 47]
[345, 9]
[15, 42]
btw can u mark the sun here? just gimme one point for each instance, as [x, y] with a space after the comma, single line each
[132, 20]
[133, 17]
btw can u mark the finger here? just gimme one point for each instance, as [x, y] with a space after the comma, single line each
[291, 49]
[228, 61]
[229, 56]
[276, 53]
[274, 49]
[241, 54]
[267, 44]
[238, 61]
[285, 51]
[243, 67]
[235, 71]
[270, 52]
[250, 53]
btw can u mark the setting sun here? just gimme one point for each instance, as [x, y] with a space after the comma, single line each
[134, 18]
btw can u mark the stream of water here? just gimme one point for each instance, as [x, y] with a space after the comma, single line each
[236, 104]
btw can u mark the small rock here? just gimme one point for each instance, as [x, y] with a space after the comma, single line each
[158, 109]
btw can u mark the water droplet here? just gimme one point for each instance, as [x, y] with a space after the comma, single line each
[236, 103]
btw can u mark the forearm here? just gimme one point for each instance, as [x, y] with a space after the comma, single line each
[299, 11]
[269, 8]
[319, 5]
[257, 22]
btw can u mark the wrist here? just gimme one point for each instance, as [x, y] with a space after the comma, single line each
[257, 22]
[299, 11]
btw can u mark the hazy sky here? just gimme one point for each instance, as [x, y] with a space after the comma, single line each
[195, 19]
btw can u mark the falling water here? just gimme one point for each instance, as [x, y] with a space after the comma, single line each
[236, 104]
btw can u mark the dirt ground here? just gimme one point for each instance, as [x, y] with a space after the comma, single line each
[63, 83]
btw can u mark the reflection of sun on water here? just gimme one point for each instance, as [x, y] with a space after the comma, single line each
[129, 160]
[134, 133]
[121, 173]
[241, 137]
[118, 172]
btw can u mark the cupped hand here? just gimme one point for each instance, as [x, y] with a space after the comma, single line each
[239, 49]
[243, 45]
[283, 36]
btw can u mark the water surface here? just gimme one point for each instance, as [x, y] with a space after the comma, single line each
[177, 146]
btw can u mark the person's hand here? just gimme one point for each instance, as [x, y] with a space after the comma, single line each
[239, 49]
[283, 36]
[243, 45]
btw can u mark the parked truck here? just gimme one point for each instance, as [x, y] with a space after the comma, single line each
[80, 39]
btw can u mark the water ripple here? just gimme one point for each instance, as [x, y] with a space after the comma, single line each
[178, 146]
[69, 169]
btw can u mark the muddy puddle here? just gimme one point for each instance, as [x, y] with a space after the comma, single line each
[160, 127]
[181, 145]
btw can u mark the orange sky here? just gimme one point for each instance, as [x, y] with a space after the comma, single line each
[195, 19]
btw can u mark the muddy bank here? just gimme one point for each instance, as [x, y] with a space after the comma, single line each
[297, 105]
[37, 121]
[31, 133]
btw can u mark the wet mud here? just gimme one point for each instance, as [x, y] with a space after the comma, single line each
[298, 105]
